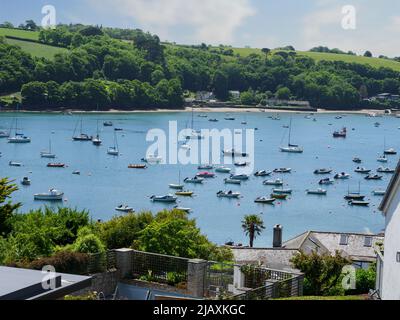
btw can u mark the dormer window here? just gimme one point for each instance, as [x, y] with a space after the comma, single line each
[368, 242]
[344, 240]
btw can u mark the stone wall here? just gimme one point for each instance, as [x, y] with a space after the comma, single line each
[105, 283]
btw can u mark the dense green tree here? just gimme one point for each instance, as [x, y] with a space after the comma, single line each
[322, 272]
[7, 208]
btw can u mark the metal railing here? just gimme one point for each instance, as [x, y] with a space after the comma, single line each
[292, 287]
[101, 262]
[219, 276]
[160, 268]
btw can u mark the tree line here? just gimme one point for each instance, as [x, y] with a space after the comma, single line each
[133, 69]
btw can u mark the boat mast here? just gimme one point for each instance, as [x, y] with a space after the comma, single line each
[290, 132]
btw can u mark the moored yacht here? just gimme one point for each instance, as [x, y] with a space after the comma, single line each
[228, 194]
[167, 199]
[52, 195]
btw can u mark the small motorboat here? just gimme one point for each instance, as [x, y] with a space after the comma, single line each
[279, 196]
[205, 167]
[82, 137]
[241, 164]
[206, 175]
[26, 181]
[77, 173]
[19, 139]
[118, 129]
[340, 134]
[283, 170]
[223, 170]
[230, 119]
[326, 181]
[203, 116]
[359, 203]
[362, 170]
[108, 124]
[373, 177]
[151, 159]
[386, 170]
[233, 181]
[282, 191]
[55, 165]
[166, 199]
[15, 164]
[342, 176]
[357, 160]
[277, 182]
[323, 171]
[240, 177]
[184, 193]
[382, 159]
[176, 186]
[124, 208]
[213, 120]
[52, 195]
[186, 210]
[319, 192]
[137, 166]
[4, 134]
[263, 173]
[195, 180]
[379, 193]
[234, 153]
[265, 200]
[391, 152]
[228, 194]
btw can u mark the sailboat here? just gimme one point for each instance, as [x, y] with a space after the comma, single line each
[355, 196]
[19, 137]
[194, 135]
[291, 148]
[178, 186]
[96, 140]
[383, 158]
[48, 154]
[82, 136]
[114, 151]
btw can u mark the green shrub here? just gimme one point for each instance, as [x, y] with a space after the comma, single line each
[89, 244]
[63, 262]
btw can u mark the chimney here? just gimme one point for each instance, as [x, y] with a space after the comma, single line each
[277, 236]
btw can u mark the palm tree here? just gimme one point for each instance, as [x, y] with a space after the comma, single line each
[253, 226]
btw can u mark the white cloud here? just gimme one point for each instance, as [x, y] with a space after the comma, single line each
[324, 27]
[208, 21]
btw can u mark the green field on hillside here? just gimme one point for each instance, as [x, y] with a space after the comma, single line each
[23, 34]
[320, 56]
[37, 49]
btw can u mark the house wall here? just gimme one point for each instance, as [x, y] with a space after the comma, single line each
[391, 272]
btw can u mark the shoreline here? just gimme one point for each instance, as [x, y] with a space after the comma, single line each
[204, 110]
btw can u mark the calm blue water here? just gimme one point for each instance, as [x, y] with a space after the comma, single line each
[105, 181]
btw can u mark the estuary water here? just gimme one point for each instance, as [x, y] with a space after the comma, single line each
[106, 182]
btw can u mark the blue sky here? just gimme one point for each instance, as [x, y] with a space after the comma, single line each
[256, 23]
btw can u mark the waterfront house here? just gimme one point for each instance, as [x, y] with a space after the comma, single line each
[205, 96]
[388, 268]
[235, 95]
[358, 247]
